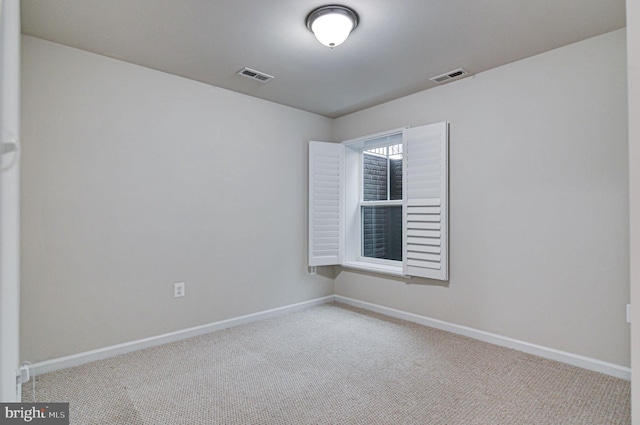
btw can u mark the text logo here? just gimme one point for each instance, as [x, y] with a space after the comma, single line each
[34, 413]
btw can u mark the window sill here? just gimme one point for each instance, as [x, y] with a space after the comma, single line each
[375, 268]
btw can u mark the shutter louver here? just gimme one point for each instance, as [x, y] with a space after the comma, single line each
[326, 203]
[425, 206]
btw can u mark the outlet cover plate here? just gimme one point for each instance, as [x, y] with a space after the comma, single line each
[628, 313]
[178, 289]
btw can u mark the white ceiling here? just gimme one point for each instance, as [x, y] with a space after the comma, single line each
[396, 48]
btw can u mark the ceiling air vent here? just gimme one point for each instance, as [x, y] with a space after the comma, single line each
[456, 74]
[255, 75]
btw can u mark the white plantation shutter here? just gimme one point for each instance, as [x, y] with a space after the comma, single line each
[425, 202]
[326, 203]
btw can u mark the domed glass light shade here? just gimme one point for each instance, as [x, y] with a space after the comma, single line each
[332, 24]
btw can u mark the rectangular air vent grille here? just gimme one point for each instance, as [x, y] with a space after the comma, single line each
[456, 74]
[255, 75]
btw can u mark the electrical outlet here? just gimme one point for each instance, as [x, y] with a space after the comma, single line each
[628, 313]
[178, 289]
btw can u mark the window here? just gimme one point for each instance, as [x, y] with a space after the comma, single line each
[380, 203]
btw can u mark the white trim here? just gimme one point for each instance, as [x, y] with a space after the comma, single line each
[10, 200]
[502, 341]
[380, 261]
[127, 347]
[389, 203]
[361, 142]
[374, 267]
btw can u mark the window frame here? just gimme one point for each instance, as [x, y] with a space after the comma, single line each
[377, 203]
[354, 257]
[334, 202]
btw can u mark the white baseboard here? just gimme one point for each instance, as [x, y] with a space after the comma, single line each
[538, 350]
[127, 347]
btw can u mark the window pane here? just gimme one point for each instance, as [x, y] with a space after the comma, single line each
[382, 232]
[374, 177]
[395, 178]
[382, 173]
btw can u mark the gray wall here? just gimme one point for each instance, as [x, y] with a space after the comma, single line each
[134, 179]
[124, 193]
[538, 200]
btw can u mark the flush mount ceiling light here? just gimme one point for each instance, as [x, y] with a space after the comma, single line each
[332, 24]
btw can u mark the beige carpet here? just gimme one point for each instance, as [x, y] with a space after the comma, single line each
[334, 365]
